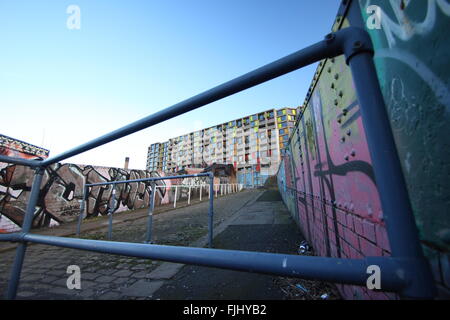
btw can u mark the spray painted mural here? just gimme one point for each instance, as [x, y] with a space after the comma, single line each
[411, 58]
[326, 176]
[62, 190]
[19, 149]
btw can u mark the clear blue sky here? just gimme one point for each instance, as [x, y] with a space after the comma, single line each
[60, 88]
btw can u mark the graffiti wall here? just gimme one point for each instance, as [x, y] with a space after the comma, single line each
[19, 149]
[62, 190]
[414, 71]
[326, 177]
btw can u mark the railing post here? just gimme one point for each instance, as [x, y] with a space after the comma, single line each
[83, 207]
[175, 198]
[201, 188]
[151, 207]
[211, 210]
[189, 195]
[400, 223]
[110, 213]
[26, 226]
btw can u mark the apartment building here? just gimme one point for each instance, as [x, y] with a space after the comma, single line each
[251, 144]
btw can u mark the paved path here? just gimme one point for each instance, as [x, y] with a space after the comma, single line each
[107, 276]
[243, 221]
[263, 226]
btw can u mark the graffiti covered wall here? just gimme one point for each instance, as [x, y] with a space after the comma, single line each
[326, 176]
[411, 59]
[19, 149]
[62, 190]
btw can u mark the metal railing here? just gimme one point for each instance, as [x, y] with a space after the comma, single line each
[151, 207]
[406, 271]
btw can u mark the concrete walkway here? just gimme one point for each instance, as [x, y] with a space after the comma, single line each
[241, 221]
[263, 226]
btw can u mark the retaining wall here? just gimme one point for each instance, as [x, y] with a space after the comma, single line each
[326, 177]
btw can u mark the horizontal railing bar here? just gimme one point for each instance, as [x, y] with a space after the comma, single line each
[15, 236]
[350, 271]
[21, 161]
[299, 59]
[148, 179]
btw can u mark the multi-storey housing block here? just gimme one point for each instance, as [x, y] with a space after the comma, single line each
[252, 144]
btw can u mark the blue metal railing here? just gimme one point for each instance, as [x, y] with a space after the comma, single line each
[151, 207]
[406, 271]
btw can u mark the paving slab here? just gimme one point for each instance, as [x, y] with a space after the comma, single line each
[142, 288]
[165, 271]
[253, 230]
[44, 270]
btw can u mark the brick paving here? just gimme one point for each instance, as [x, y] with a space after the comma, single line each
[254, 220]
[105, 276]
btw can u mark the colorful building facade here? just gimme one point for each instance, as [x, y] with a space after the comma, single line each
[251, 144]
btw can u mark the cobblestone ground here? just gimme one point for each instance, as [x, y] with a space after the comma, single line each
[109, 276]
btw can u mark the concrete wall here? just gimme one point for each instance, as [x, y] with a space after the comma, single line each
[326, 176]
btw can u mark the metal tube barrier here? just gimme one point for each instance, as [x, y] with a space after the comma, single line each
[16, 269]
[13, 237]
[211, 211]
[20, 161]
[397, 211]
[83, 207]
[350, 271]
[110, 213]
[297, 60]
[407, 260]
[175, 197]
[182, 176]
[151, 207]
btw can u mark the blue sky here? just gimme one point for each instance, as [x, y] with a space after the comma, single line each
[60, 87]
